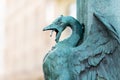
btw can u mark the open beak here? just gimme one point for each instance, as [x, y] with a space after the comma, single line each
[53, 28]
[49, 28]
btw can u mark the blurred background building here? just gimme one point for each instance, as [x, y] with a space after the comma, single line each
[23, 44]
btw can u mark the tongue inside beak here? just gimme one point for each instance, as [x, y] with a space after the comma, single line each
[51, 33]
[58, 33]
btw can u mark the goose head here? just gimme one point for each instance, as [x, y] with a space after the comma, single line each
[58, 25]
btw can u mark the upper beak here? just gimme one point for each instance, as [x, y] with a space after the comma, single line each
[49, 27]
[46, 28]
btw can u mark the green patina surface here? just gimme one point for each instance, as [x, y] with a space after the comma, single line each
[96, 57]
[56, 62]
[93, 59]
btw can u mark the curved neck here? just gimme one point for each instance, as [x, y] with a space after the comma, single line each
[77, 33]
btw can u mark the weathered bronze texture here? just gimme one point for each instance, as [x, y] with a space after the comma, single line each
[96, 58]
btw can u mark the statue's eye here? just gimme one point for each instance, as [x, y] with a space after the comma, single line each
[61, 23]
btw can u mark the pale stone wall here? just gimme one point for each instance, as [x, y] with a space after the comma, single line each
[2, 35]
[25, 41]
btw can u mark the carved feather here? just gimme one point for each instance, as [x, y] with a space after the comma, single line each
[97, 58]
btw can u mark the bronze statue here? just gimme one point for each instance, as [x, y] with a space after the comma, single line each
[95, 58]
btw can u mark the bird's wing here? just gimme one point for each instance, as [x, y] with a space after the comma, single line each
[97, 58]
